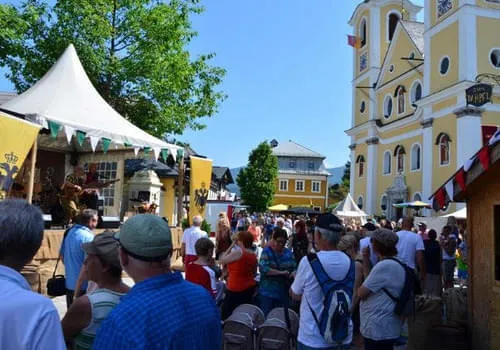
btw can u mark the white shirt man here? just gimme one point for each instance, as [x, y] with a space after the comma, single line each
[409, 244]
[189, 238]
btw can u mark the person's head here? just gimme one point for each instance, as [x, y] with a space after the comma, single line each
[280, 237]
[204, 247]
[368, 228]
[432, 234]
[452, 221]
[78, 171]
[422, 226]
[197, 220]
[103, 262]
[328, 231]
[349, 244]
[280, 222]
[145, 246]
[92, 168]
[88, 217]
[407, 223]
[384, 242]
[245, 239]
[21, 232]
[446, 230]
[300, 228]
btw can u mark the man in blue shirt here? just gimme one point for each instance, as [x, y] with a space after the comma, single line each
[162, 311]
[72, 252]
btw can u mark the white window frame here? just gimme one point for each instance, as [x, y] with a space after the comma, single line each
[387, 24]
[441, 164]
[319, 186]
[491, 51]
[303, 185]
[108, 193]
[420, 157]
[362, 201]
[360, 31]
[401, 90]
[413, 91]
[282, 181]
[385, 106]
[396, 160]
[384, 163]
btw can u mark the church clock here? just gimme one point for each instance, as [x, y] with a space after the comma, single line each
[443, 6]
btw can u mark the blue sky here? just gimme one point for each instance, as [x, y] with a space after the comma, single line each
[289, 72]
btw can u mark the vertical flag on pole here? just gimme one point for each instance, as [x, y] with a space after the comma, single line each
[199, 186]
[354, 41]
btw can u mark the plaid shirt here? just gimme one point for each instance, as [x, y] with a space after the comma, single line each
[162, 312]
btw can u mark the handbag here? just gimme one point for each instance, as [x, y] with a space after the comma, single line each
[56, 285]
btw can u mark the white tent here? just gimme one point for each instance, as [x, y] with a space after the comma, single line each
[459, 214]
[347, 209]
[65, 95]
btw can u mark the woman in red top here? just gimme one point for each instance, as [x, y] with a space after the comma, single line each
[200, 271]
[242, 266]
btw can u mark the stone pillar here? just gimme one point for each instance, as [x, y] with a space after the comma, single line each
[469, 136]
[371, 175]
[427, 168]
[352, 178]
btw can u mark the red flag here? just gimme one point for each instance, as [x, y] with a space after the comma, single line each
[460, 179]
[354, 41]
[440, 198]
[484, 157]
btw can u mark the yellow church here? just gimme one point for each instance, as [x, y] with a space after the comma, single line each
[411, 125]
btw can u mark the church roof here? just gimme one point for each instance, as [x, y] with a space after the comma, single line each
[293, 149]
[416, 32]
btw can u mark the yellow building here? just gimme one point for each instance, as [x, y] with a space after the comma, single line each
[302, 177]
[411, 125]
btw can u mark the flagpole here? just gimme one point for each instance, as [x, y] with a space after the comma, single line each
[31, 182]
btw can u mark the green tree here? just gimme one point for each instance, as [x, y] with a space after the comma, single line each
[257, 179]
[338, 192]
[134, 52]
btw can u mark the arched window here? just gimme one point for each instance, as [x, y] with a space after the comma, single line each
[415, 157]
[399, 153]
[417, 197]
[387, 107]
[383, 202]
[400, 94]
[391, 25]
[387, 162]
[361, 165]
[360, 202]
[362, 32]
[416, 92]
[443, 142]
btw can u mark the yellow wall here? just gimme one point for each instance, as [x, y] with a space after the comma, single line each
[434, 19]
[490, 5]
[449, 102]
[490, 118]
[303, 198]
[361, 135]
[399, 131]
[389, 90]
[448, 125]
[444, 43]
[362, 95]
[360, 182]
[300, 202]
[487, 41]
[168, 199]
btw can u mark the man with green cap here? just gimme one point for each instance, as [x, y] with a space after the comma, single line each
[162, 311]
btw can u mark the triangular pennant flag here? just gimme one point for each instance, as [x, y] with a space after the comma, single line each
[105, 144]
[449, 189]
[94, 140]
[484, 157]
[495, 138]
[136, 151]
[164, 154]
[468, 163]
[460, 179]
[54, 129]
[440, 199]
[80, 137]
[173, 154]
[146, 151]
[69, 131]
[156, 151]
[127, 144]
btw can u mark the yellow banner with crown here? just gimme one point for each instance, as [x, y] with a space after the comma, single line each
[199, 186]
[16, 138]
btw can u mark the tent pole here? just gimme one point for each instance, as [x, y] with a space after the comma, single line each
[180, 193]
[31, 182]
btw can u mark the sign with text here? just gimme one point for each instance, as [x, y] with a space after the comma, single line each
[478, 95]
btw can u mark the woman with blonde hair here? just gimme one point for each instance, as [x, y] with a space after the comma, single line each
[222, 234]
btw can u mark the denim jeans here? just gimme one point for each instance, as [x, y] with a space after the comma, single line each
[268, 303]
[301, 346]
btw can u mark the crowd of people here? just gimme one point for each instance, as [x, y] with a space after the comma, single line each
[323, 268]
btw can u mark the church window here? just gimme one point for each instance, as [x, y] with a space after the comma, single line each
[416, 92]
[444, 149]
[360, 202]
[400, 94]
[391, 25]
[415, 157]
[387, 107]
[391, 68]
[399, 153]
[362, 32]
[495, 58]
[361, 165]
[383, 202]
[444, 65]
[362, 107]
[387, 162]
[443, 6]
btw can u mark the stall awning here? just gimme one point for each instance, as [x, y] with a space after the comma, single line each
[65, 96]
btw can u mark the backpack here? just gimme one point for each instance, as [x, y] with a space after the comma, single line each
[405, 303]
[335, 317]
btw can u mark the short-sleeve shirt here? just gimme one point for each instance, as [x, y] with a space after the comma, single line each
[408, 244]
[364, 243]
[203, 276]
[336, 265]
[378, 320]
[275, 286]
[73, 254]
[190, 236]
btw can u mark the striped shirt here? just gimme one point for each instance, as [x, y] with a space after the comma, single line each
[102, 301]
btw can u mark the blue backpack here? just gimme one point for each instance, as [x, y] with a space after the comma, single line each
[335, 317]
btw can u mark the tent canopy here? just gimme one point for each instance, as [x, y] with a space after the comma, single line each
[65, 95]
[348, 209]
[459, 214]
[278, 207]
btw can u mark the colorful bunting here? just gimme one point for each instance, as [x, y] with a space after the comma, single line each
[69, 131]
[80, 137]
[156, 152]
[164, 154]
[94, 140]
[439, 199]
[54, 128]
[460, 179]
[105, 144]
[449, 189]
[136, 151]
[484, 157]
[146, 151]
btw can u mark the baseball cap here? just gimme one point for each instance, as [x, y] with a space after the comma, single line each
[145, 237]
[385, 237]
[105, 247]
[422, 223]
[329, 222]
[369, 226]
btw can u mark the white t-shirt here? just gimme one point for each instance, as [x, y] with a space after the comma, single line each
[408, 244]
[378, 320]
[190, 236]
[336, 265]
[365, 242]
